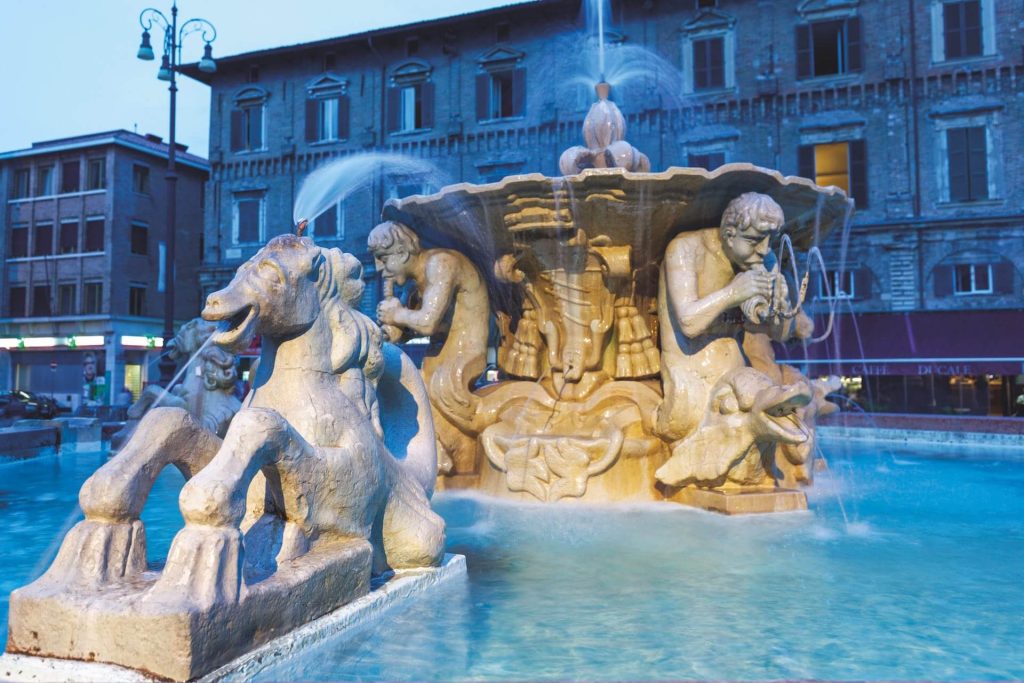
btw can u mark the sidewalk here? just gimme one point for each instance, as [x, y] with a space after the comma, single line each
[974, 430]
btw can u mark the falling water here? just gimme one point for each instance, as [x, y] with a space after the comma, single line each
[335, 181]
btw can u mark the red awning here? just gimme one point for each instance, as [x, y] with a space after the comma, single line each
[915, 343]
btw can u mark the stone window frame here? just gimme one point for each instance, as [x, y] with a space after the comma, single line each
[815, 11]
[853, 130]
[326, 86]
[250, 97]
[249, 195]
[990, 120]
[709, 23]
[410, 73]
[938, 33]
[500, 60]
[941, 278]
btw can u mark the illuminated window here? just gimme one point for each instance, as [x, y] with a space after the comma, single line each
[843, 164]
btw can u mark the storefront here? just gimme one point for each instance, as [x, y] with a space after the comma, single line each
[96, 369]
[943, 362]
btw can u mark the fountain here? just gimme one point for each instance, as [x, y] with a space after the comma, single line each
[637, 350]
[635, 313]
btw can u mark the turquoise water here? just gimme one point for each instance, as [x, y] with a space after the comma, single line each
[926, 582]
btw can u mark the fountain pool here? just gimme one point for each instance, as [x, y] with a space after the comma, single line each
[925, 582]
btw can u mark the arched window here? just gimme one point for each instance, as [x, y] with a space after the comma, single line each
[247, 120]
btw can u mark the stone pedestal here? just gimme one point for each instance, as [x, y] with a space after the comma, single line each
[126, 624]
[748, 501]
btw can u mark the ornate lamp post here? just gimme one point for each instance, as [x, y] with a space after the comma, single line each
[173, 38]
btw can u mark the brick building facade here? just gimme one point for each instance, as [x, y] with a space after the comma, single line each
[83, 222]
[915, 107]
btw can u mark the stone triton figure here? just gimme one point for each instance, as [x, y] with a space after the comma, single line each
[714, 288]
[454, 311]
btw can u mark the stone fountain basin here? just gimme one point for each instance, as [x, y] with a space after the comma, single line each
[641, 210]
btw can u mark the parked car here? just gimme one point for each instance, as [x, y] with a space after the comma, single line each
[20, 403]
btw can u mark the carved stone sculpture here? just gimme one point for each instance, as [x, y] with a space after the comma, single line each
[604, 132]
[714, 286]
[206, 391]
[318, 482]
[453, 311]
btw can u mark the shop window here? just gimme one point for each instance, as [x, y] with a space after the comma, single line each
[140, 239]
[709, 161]
[961, 28]
[69, 177]
[22, 179]
[828, 48]
[66, 299]
[96, 178]
[137, 300]
[68, 240]
[967, 157]
[843, 164]
[92, 298]
[247, 120]
[410, 105]
[42, 240]
[140, 178]
[44, 181]
[17, 301]
[19, 242]
[972, 278]
[327, 110]
[248, 227]
[41, 307]
[94, 234]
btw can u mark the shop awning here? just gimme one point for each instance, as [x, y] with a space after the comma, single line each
[916, 343]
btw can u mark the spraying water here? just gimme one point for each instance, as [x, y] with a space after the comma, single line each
[181, 371]
[335, 181]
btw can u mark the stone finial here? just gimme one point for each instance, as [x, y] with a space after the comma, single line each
[604, 132]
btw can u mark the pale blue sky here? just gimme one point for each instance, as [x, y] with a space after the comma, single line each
[68, 67]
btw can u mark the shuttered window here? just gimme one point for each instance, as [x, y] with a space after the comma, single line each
[961, 24]
[968, 161]
[327, 118]
[501, 94]
[843, 164]
[247, 128]
[829, 48]
[410, 107]
[709, 63]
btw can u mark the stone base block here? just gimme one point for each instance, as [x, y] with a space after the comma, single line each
[126, 624]
[748, 501]
[393, 590]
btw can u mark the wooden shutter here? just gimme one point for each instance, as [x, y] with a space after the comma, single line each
[956, 148]
[312, 120]
[805, 161]
[519, 92]
[862, 282]
[255, 127]
[804, 53]
[427, 99]
[394, 112]
[951, 31]
[854, 45]
[977, 162]
[237, 130]
[971, 28]
[858, 154]
[1002, 277]
[943, 280]
[716, 62]
[344, 115]
[483, 97]
[700, 64]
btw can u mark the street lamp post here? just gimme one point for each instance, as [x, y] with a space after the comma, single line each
[169, 64]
